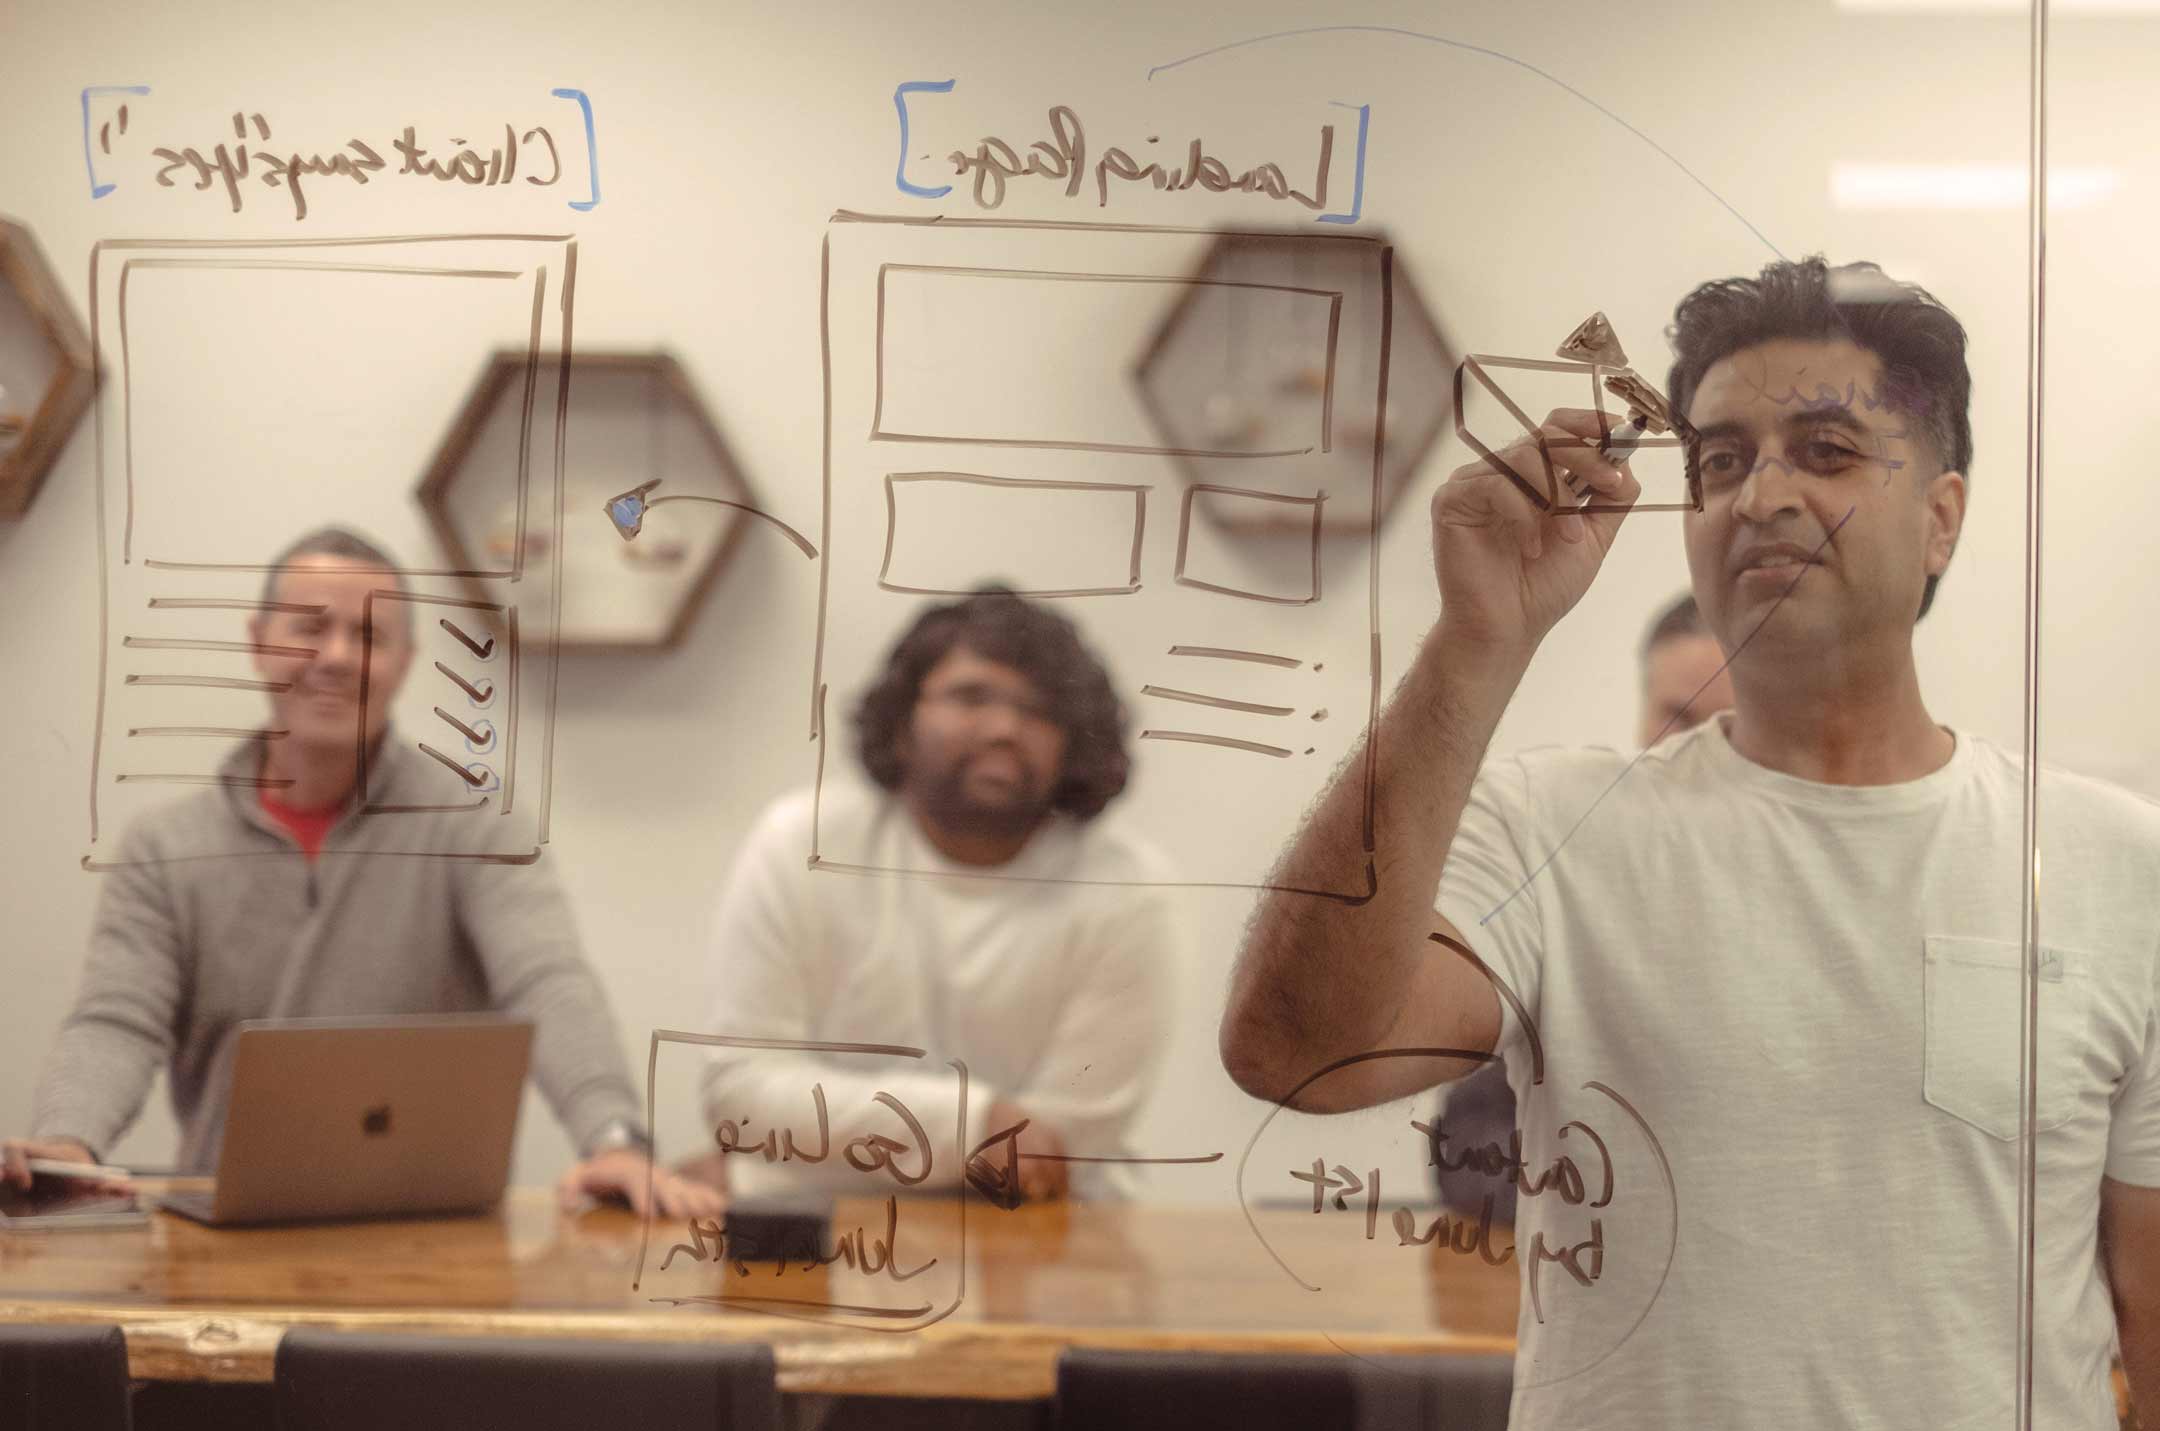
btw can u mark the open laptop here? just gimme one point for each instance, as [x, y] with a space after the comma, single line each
[333, 1119]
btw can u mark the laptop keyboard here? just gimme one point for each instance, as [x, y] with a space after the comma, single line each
[198, 1205]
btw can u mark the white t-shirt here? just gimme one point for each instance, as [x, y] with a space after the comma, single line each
[1809, 995]
[1051, 981]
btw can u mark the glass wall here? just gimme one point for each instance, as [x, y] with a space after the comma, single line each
[1782, 1008]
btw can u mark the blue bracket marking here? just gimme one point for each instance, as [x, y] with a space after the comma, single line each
[899, 99]
[97, 190]
[1357, 192]
[592, 148]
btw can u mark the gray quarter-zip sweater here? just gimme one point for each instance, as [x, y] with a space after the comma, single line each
[185, 947]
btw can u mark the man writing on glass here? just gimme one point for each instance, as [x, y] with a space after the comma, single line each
[1790, 937]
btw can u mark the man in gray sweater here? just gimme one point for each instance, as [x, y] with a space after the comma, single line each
[313, 911]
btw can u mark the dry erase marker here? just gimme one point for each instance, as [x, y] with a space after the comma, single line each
[1620, 443]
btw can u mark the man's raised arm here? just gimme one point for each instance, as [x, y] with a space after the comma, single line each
[1320, 980]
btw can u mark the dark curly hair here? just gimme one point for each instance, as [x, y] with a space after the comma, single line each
[998, 625]
[1920, 343]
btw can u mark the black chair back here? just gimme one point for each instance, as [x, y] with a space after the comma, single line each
[63, 1378]
[1100, 1390]
[344, 1381]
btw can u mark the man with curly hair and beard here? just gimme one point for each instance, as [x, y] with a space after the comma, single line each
[1018, 943]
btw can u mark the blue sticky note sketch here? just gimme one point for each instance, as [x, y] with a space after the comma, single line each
[98, 190]
[592, 147]
[899, 99]
[627, 512]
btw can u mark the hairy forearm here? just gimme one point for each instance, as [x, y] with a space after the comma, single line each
[1321, 978]
[2130, 1251]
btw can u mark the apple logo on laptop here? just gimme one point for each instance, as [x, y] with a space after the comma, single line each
[375, 1122]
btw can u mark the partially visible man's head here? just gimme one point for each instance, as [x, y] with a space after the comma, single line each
[990, 713]
[1684, 680]
[314, 639]
[1832, 438]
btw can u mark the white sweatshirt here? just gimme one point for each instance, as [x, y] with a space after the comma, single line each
[1049, 979]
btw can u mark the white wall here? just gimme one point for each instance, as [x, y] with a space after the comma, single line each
[730, 133]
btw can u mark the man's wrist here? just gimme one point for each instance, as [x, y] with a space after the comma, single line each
[1469, 656]
[1468, 676]
[620, 1133]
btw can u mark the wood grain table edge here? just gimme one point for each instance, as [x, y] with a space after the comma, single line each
[964, 1360]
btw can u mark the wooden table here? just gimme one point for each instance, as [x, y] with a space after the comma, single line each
[205, 1305]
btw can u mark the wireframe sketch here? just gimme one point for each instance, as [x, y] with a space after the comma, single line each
[238, 375]
[988, 424]
[1592, 351]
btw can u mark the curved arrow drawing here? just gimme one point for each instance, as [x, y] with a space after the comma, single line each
[627, 512]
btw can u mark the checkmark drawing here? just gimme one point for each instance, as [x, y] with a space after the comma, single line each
[482, 693]
[478, 650]
[480, 741]
[475, 781]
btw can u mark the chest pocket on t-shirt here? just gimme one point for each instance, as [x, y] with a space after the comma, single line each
[1975, 992]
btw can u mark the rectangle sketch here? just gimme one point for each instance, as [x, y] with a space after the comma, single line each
[240, 400]
[1029, 534]
[1294, 583]
[844, 1295]
[1669, 485]
[968, 355]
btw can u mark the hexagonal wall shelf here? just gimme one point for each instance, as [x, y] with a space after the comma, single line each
[634, 419]
[45, 373]
[1276, 349]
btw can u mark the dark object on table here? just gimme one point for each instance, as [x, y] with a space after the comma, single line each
[779, 1229]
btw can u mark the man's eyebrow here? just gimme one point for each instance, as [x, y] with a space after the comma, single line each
[1835, 413]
